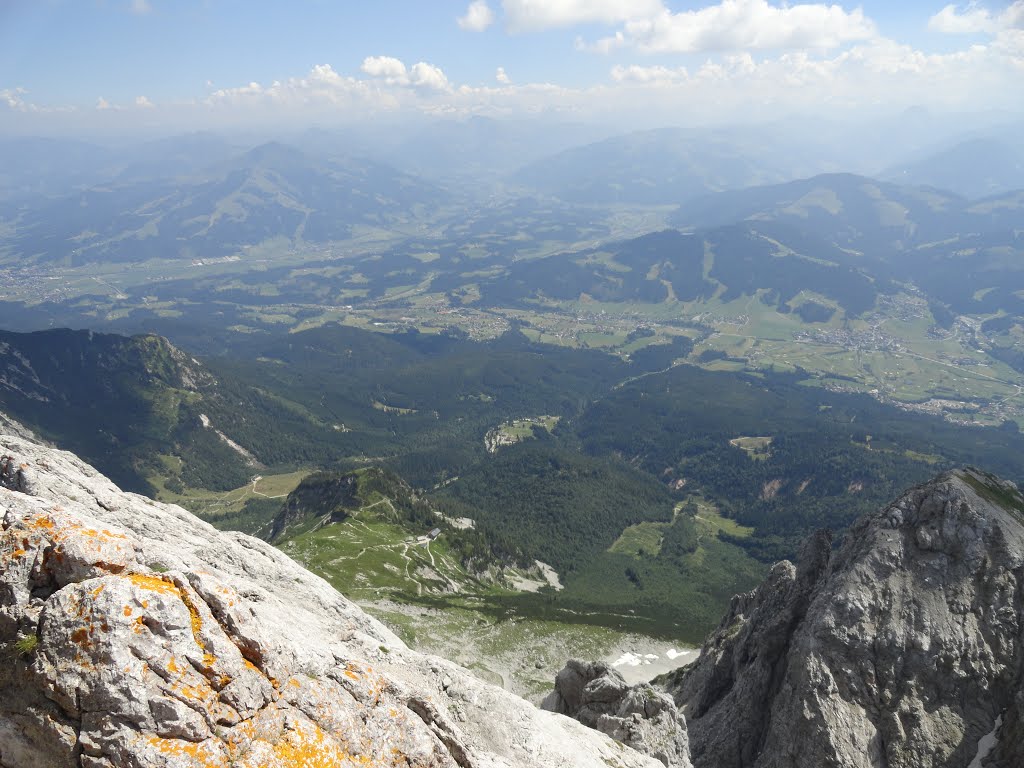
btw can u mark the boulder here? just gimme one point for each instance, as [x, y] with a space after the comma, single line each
[639, 716]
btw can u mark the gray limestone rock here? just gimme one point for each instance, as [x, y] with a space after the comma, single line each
[902, 649]
[136, 636]
[639, 716]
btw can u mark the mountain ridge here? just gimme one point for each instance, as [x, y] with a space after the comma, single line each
[219, 650]
[901, 648]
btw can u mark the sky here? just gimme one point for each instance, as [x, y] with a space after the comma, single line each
[115, 64]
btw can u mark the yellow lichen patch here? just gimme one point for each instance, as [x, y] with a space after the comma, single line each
[378, 689]
[42, 521]
[127, 610]
[18, 553]
[204, 753]
[154, 584]
[351, 674]
[185, 691]
[167, 587]
[305, 746]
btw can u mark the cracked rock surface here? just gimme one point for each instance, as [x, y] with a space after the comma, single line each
[903, 649]
[137, 636]
[639, 716]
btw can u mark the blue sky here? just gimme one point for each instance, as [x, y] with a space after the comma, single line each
[201, 59]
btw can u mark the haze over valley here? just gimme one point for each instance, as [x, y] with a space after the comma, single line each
[540, 331]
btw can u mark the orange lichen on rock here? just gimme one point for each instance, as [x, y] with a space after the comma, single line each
[164, 585]
[203, 754]
[378, 689]
[153, 583]
[42, 521]
[351, 673]
[304, 745]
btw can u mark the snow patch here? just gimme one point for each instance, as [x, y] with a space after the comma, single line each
[986, 744]
[638, 666]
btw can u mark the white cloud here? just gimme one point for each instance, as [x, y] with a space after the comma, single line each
[877, 73]
[859, 76]
[12, 99]
[143, 103]
[740, 25]
[479, 17]
[394, 72]
[657, 74]
[976, 20]
[322, 93]
[532, 15]
[388, 67]
[952, 22]
[141, 7]
[428, 76]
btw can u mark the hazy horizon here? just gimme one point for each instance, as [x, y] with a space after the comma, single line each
[148, 68]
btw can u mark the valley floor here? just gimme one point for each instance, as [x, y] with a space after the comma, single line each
[524, 655]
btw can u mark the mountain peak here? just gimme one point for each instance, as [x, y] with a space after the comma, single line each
[274, 156]
[902, 648]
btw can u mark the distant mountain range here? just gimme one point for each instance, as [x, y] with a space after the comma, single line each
[665, 166]
[854, 211]
[957, 251]
[477, 148]
[846, 238]
[202, 196]
[974, 168]
[272, 191]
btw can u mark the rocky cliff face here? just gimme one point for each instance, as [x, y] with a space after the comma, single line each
[639, 716]
[903, 649]
[136, 636]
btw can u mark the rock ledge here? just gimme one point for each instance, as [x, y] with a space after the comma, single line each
[140, 637]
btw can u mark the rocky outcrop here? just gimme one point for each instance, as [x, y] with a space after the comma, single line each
[136, 636]
[639, 716]
[903, 649]
[321, 497]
